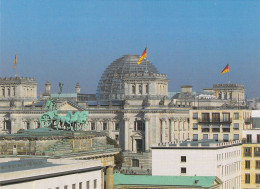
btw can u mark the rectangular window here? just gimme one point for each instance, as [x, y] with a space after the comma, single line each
[117, 126]
[236, 115]
[80, 185]
[258, 139]
[104, 126]
[195, 115]
[73, 186]
[95, 183]
[87, 185]
[215, 137]
[215, 117]
[249, 138]
[195, 137]
[205, 117]
[205, 137]
[257, 164]
[257, 178]
[236, 136]
[93, 126]
[226, 117]
[257, 151]
[183, 158]
[247, 178]
[183, 169]
[66, 187]
[236, 126]
[247, 164]
[195, 126]
[225, 137]
[247, 151]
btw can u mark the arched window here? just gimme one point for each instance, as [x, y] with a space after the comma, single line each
[28, 125]
[92, 126]
[135, 163]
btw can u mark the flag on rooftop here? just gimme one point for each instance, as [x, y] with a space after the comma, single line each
[143, 56]
[226, 69]
[15, 60]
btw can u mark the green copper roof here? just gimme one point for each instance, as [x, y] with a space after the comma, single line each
[147, 180]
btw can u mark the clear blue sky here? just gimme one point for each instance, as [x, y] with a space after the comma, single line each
[74, 41]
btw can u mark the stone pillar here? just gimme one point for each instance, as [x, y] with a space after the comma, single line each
[13, 129]
[170, 130]
[163, 130]
[147, 132]
[109, 178]
[126, 130]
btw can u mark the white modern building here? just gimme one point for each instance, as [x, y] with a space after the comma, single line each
[50, 174]
[202, 158]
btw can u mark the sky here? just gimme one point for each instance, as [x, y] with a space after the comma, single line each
[74, 41]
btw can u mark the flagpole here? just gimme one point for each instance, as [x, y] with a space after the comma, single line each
[146, 70]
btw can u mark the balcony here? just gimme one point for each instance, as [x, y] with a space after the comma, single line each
[214, 120]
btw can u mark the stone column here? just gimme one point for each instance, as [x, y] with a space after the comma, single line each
[163, 130]
[170, 130]
[126, 130]
[147, 136]
[13, 129]
[109, 178]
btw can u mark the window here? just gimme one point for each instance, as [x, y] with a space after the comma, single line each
[139, 126]
[3, 91]
[147, 88]
[9, 92]
[236, 115]
[215, 128]
[205, 137]
[183, 158]
[140, 89]
[220, 95]
[80, 185]
[258, 138]
[236, 137]
[183, 169]
[195, 137]
[226, 128]
[195, 126]
[215, 117]
[117, 126]
[92, 126]
[249, 138]
[257, 151]
[38, 125]
[236, 126]
[73, 186]
[247, 164]
[247, 178]
[257, 164]
[226, 117]
[247, 151]
[205, 128]
[225, 137]
[257, 178]
[95, 183]
[230, 95]
[28, 125]
[104, 126]
[13, 91]
[133, 89]
[135, 163]
[215, 137]
[66, 187]
[87, 185]
[205, 117]
[195, 115]
[117, 137]
[225, 95]
[57, 187]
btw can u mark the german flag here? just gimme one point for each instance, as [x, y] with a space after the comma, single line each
[15, 60]
[226, 69]
[143, 56]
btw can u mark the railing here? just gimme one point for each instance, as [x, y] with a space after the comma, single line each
[214, 120]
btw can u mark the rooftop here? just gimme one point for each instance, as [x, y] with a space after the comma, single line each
[147, 180]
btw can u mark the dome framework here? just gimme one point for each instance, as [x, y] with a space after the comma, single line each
[111, 86]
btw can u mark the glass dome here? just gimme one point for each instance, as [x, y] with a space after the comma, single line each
[110, 85]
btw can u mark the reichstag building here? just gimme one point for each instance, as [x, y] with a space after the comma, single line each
[132, 105]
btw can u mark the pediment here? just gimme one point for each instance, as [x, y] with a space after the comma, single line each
[137, 135]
